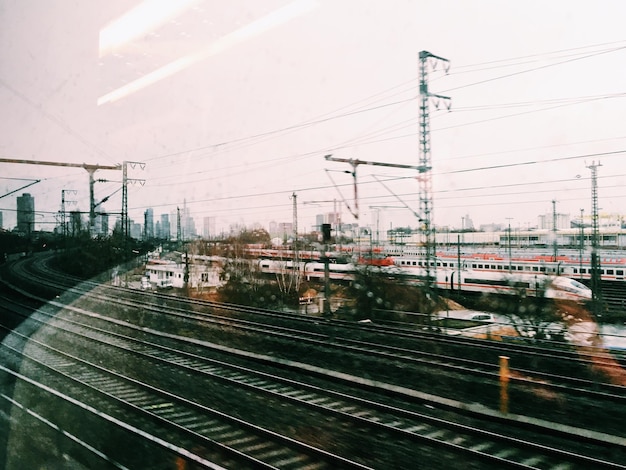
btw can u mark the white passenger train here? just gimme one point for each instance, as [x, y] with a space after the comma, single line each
[409, 271]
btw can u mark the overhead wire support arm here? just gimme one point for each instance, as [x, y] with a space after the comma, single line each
[419, 218]
[355, 163]
[91, 169]
[20, 188]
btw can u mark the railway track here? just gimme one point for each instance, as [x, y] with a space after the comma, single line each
[205, 311]
[173, 411]
[445, 432]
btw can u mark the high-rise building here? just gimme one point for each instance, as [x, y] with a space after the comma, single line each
[148, 224]
[182, 226]
[25, 213]
[165, 227]
[273, 228]
[76, 223]
[135, 230]
[102, 224]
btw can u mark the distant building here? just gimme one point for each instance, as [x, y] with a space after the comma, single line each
[1, 226]
[285, 229]
[135, 230]
[273, 228]
[467, 223]
[102, 224]
[148, 224]
[164, 232]
[182, 225]
[174, 221]
[25, 213]
[208, 228]
[281, 229]
[76, 223]
[546, 221]
[492, 227]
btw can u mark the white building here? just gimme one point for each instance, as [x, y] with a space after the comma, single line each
[203, 273]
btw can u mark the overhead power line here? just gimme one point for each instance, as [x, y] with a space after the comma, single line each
[534, 69]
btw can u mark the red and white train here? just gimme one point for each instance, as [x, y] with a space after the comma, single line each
[412, 271]
[450, 276]
[612, 267]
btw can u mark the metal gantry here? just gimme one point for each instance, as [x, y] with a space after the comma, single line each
[63, 213]
[355, 163]
[91, 169]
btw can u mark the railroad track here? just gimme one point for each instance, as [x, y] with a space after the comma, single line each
[477, 437]
[402, 423]
[302, 325]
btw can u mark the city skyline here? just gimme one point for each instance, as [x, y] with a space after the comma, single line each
[185, 222]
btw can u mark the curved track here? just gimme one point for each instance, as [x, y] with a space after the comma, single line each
[153, 384]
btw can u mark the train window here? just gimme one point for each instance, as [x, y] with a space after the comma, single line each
[445, 265]
[480, 266]
[575, 270]
[610, 271]
[542, 269]
[583, 270]
[535, 268]
[619, 272]
[473, 265]
[493, 266]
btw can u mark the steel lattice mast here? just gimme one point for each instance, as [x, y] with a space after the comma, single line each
[125, 180]
[596, 286]
[425, 167]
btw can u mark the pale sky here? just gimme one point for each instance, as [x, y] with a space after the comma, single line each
[233, 105]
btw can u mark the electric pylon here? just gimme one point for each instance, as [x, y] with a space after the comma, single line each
[425, 167]
[596, 285]
[125, 181]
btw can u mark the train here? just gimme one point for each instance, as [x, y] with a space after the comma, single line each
[612, 266]
[411, 271]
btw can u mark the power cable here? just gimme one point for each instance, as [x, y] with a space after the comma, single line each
[520, 72]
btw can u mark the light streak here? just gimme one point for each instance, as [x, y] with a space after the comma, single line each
[147, 16]
[257, 27]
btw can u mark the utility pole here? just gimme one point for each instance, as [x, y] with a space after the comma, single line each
[582, 243]
[63, 213]
[554, 244]
[178, 230]
[326, 240]
[425, 165]
[125, 181]
[509, 244]
[596, 286]
[296, 254]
